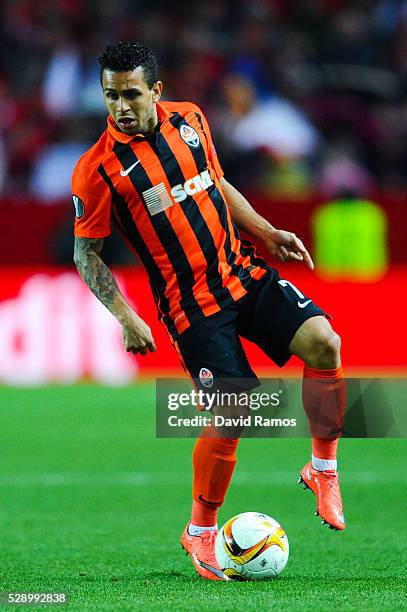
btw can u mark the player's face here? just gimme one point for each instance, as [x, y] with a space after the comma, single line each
[129, 100]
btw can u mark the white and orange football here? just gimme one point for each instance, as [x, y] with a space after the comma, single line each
[252, 546]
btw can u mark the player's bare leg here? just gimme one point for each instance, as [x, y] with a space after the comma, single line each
[324, 398]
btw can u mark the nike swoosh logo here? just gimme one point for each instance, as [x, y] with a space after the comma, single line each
[303, 304]
[214, 571]
[210, 503]
[340, 517]
[126, 172]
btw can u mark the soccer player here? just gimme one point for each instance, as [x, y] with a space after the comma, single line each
[154, 173]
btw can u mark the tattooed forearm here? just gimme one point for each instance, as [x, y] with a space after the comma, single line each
[97, 275]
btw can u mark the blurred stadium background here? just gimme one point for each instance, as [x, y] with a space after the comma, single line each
[307, 103]
[308, 107]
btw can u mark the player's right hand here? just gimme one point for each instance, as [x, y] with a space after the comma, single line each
[137, 336]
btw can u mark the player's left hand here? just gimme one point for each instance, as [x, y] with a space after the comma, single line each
[287, 247]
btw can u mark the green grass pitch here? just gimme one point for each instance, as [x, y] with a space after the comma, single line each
[93, 504]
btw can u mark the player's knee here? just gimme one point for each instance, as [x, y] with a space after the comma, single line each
[325, 350]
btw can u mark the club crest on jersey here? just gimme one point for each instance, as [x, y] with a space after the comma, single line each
[79, 206]
[206, 377]
[190, 136]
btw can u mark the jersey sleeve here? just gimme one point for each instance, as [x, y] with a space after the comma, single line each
[92, 200]
[211, 151]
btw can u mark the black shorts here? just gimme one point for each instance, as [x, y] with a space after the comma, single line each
[268, 315]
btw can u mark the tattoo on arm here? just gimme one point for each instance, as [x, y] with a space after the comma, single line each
[94, 271]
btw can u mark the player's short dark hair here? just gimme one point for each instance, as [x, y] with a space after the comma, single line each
[129, 55]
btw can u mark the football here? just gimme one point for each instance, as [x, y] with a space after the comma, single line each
[252, 546]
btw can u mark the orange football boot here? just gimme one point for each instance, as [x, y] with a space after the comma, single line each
[201, 549]
[325, 486]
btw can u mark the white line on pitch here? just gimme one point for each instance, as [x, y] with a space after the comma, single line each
[140, 479]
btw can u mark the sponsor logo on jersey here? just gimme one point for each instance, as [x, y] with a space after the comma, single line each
[158, 199]
[190, 136]
[206, 377]
[79, 206]
[198, 183]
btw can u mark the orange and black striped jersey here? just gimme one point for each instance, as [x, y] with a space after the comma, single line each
[164, 194]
